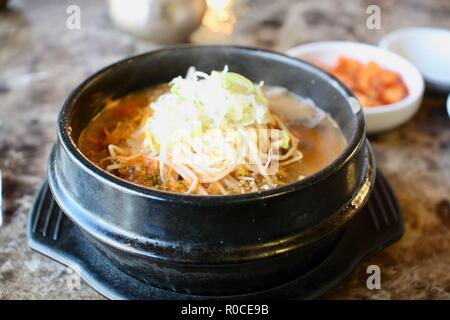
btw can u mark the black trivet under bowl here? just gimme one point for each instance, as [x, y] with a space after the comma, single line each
[379, 224]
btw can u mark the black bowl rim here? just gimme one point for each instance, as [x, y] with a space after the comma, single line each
[69, 145]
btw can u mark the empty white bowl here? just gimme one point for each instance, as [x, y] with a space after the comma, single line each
[379, 118]
[428, 49]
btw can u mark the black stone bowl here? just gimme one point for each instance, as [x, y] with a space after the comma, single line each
[211, 245]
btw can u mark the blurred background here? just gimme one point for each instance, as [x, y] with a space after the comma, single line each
[47, 47]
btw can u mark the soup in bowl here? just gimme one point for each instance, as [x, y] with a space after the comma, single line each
[211, 170]
[212, 134]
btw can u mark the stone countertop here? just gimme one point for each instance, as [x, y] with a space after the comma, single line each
[41, 61]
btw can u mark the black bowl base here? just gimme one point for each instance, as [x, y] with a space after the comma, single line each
[379, 224]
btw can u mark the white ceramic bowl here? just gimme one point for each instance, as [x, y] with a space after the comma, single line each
[448, 105]
[428, 49]
[379, 118]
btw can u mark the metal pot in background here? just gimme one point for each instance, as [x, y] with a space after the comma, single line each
[161, 21]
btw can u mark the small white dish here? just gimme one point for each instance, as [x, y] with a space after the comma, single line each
[379, 118]
[428, 49]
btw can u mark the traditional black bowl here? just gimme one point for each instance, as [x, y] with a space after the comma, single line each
[214, 245]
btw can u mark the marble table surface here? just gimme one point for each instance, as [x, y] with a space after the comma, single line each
[41, 61]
